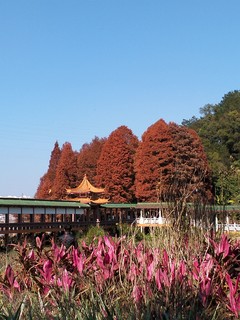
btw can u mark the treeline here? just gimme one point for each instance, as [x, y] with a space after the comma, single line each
[219, 130]
[199, 159]
[167, 164]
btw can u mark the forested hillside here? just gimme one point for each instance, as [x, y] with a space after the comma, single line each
[219, 130]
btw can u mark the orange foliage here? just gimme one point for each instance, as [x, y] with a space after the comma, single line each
[88, 157]
[153, 163]
[66, 173]
[171, 164]
[47, 181]
[115, 168]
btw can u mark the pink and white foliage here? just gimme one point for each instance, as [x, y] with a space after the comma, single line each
[145, 271]
[65, 281]
[10, 283]
[137, 294]
[221, 247]
[201, 273]
[233, 295]
[78, 261]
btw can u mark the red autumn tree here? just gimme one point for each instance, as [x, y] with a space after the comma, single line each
[190, 179]
[171, 165]
[44, 188]
[66, 173]
[47, 180]
[115, 168]
[88, 158]
[154, 162]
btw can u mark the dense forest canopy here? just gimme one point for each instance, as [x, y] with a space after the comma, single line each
[196, 161]
[219, 130]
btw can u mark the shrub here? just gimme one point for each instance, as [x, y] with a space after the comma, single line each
[94, 232]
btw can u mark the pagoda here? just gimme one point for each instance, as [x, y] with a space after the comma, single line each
[87, 193]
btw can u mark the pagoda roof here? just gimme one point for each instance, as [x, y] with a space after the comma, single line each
[88, 200]
[85, 187]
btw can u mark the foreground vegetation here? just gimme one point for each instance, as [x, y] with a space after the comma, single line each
[164, 275]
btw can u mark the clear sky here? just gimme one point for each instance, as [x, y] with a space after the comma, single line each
[71, 70]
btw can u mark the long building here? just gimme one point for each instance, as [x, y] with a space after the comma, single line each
[21, 215]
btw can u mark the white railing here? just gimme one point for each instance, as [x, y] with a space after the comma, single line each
[229, 226]
[154, 220]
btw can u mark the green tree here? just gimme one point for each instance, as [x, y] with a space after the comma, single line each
[219, 129]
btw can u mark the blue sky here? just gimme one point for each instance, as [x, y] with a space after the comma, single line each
[72, 70]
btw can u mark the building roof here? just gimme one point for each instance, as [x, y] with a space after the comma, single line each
[151, 205]
[29, 202]
[139, 205]
[88, 200]
[85, 187]
[119, 205]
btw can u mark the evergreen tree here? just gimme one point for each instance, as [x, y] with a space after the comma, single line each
[115, 168]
